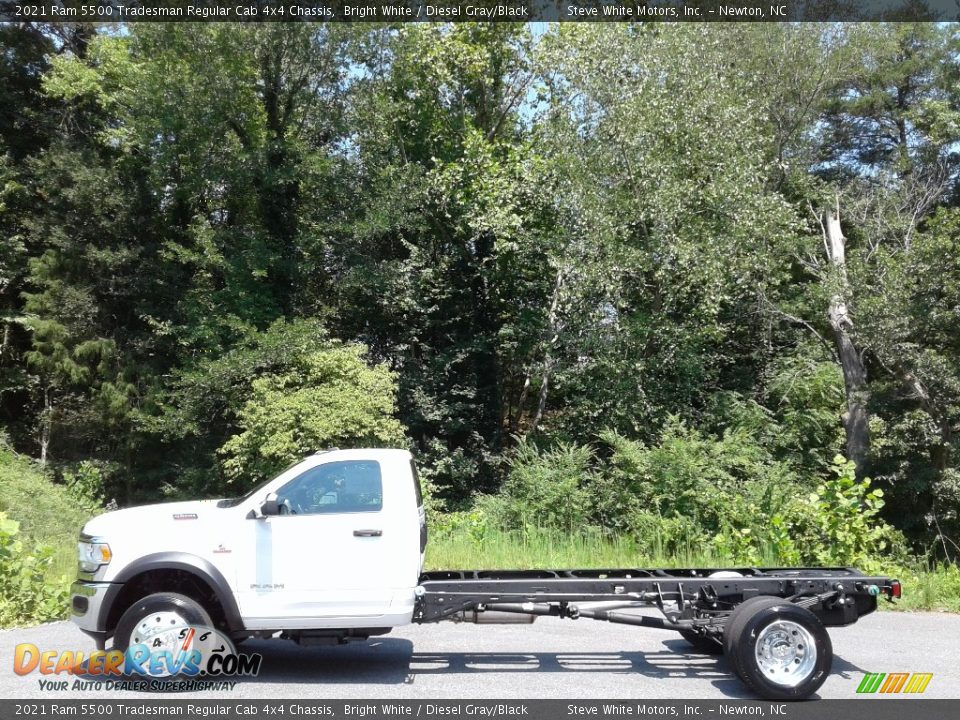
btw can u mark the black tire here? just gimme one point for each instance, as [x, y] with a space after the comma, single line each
[187, 608]
[807, 655]
[702, 645]
[735, 622]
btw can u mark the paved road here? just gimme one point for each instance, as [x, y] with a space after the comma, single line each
[551, 659]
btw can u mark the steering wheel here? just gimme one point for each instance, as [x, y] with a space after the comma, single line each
[288, 507]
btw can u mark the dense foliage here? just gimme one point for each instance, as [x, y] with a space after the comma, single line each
[591, 275]
[694, 496]
[25, 593]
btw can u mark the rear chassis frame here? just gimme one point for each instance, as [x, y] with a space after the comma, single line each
[697, 601]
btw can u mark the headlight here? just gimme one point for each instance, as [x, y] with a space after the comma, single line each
[92, 554]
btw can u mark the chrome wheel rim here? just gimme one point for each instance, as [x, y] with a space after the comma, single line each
[786, 653]
[162, 626]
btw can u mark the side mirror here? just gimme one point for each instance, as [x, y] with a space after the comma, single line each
[270, 505]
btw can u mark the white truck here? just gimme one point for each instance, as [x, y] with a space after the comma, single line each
[332, 549]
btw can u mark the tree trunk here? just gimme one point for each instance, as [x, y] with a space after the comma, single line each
[45, 426]
[278, 194]
[525, 390]
[544, 387]
[855, 419]
[548, 362]
[486, 357]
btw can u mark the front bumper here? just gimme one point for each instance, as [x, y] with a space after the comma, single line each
[87, 608]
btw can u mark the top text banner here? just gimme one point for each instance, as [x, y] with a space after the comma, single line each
[106, 11]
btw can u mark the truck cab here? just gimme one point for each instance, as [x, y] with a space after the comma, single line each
[332, 546]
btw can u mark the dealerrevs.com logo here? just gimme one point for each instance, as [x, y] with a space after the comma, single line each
[178, 657]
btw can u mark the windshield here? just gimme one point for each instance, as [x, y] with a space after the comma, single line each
[233, 502]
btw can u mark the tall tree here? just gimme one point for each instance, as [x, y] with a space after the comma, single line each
[199, 240]
[26, 128]
[663, 185]
[855, 419]
[448, 218]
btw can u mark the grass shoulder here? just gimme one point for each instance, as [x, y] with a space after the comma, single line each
[46, 511]
[39, 522]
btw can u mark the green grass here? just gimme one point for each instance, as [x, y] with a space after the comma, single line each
[547, 549]
[47, 513]
[925, 586]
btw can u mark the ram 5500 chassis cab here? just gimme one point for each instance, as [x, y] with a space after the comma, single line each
[331, 549]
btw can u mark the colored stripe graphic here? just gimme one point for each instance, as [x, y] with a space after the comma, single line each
[875, 681]
[918, 682]
[865, 683]
[892, 683]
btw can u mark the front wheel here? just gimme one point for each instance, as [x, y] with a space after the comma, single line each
[158, 619]
[781, 650]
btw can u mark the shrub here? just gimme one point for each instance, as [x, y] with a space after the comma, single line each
[85, 485]
[806, 391]
[545, 488]
[46, 511]
[446, 471]
[839, 523]
[330, 397]
[25, 594]
[473, 524]
[836, 524]
[691, 487]
[731, 497]
[693, 494]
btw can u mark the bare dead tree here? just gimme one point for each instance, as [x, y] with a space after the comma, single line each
[855, 418]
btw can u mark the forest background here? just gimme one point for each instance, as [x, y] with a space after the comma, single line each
[633, 294]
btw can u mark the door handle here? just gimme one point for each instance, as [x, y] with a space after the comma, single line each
[367, 533]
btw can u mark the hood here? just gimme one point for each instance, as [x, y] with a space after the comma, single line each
[146, 516]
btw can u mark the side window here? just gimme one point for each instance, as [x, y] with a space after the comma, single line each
[337, 487]
[416, 483]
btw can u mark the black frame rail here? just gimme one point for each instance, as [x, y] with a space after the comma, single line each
[688, 597]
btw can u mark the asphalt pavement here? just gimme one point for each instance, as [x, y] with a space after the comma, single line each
[552, 658]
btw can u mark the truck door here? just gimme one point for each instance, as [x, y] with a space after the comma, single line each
[334, 551]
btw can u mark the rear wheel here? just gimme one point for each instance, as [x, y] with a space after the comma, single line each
[734, 626]
[781, 650]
